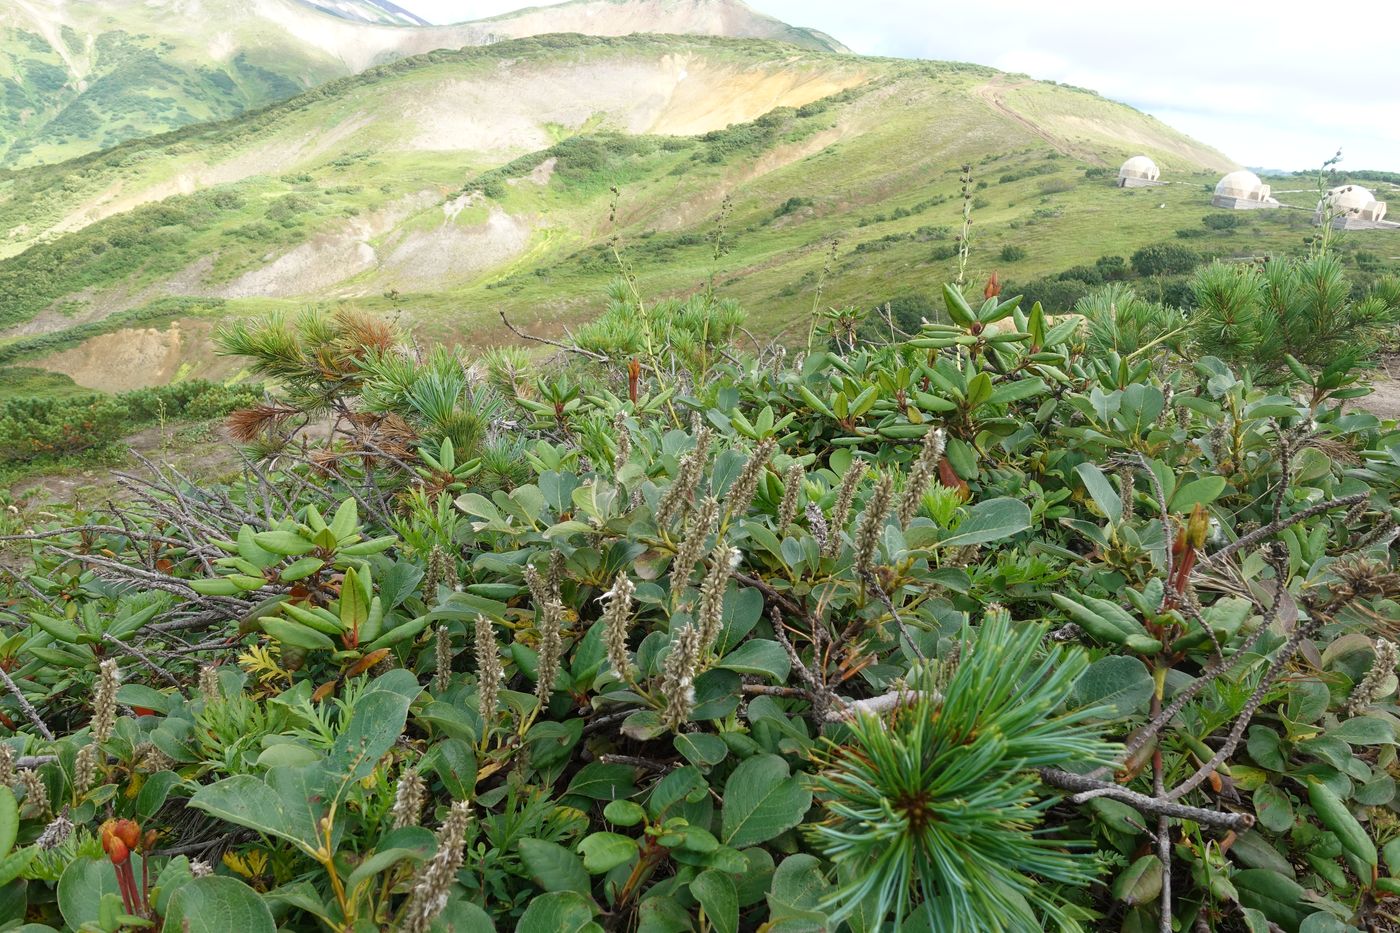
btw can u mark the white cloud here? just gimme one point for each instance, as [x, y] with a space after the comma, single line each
[1278, 84]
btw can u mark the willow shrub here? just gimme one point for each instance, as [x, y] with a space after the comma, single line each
[979, 630]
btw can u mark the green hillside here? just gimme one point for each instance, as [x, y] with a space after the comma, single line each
[78, 77]
[451, 186]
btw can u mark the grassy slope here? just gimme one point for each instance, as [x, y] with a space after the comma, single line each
[348, 194]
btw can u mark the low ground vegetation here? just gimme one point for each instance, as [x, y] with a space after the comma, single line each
[57, 421]
[975, 620]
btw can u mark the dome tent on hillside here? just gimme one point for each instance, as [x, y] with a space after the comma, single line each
[1243, 191]
[1139, 172]
[1350, 207]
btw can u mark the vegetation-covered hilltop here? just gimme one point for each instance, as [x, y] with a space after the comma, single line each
[447, 186]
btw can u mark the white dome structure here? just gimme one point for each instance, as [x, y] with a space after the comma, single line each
[1139, 172]
[1242, 190]
[1350, 207]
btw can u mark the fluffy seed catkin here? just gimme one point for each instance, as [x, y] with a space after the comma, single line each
[921, 473]
[872, 525]
[792, 492]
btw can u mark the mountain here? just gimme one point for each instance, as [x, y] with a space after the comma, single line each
[449, 185]
[370, 11]
[676, 17]
[80, 76]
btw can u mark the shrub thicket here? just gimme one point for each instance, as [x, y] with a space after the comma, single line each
[45, 427]
[1004, 625]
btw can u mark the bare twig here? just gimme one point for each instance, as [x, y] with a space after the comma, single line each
[1086, 788]
[1256, 698]
[1221, 665]
[1273, 528]
[600, 722]
[648, 764]
[880, 594]
[768, 690]
[1163, 513]
[25, 705]
[141, 656]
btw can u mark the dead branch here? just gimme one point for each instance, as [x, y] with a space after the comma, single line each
[570, 348]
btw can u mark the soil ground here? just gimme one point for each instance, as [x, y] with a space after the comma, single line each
[201, 451]
[1384, 402]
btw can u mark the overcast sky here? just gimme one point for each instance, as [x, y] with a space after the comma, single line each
[1279, 85]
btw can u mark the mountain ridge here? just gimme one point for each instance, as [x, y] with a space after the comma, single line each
[382, 12]
[75, 78]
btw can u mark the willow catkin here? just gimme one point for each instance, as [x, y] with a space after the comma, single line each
[698, 529]
[841, 511]
[409, 797]
[710, 614]
[624, 440]
[792, 492]
[678, 677]
[555, 579]
[872, 525]
[816, 521]
[676, 499]
[1127, 484]
[155, 761]
[433, 883]
[550, 649]
[36, 794]
[85, 769]
[209, 683]
[442, 657]
[442, 571]
[742, 490]
[56, 833]
[1368, 691]
[617, 619]
[921, 473]
[488, 671]
[104, 703]
[534, 581]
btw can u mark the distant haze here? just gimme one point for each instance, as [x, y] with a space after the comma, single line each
[1279, 84]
